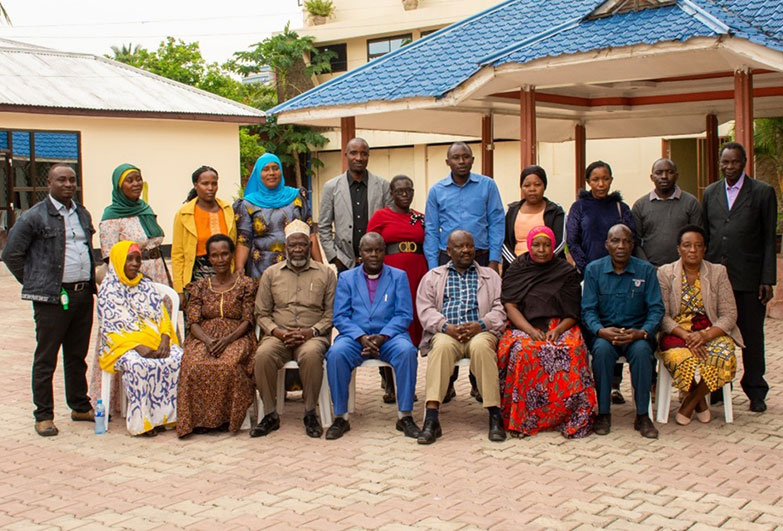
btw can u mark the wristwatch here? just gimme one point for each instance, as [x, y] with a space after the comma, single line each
[316, 333]
[645, 334]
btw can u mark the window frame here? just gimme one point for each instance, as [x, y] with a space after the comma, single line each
[402, 37]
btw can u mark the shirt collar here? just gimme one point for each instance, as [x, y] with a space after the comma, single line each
[309, 265]
[471, 267]
[59, 206]
[471, 177]
[351, 181]
[609, 268]
[676, 195]
[738, 184]
[366, 276]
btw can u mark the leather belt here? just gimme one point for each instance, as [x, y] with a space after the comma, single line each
[150, 254]
[76, 286]
[404, 247]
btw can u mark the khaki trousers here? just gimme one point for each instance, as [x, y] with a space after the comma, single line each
[272, 354]
[446, 351]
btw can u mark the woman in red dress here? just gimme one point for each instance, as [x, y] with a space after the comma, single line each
[545, 378]
[402, 228]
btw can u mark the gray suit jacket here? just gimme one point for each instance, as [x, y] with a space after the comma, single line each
[335, 217]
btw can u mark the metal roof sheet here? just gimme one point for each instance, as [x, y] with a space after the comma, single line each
[40, 77]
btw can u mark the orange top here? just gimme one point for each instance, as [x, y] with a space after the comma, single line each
[207, 224]
[522, 225]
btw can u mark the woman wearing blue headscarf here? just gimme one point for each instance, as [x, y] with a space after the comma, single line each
[261, 216]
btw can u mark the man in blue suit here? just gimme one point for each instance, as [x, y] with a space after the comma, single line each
[372, 312]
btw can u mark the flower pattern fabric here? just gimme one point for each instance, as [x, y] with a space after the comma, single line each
[546, 385]
[115, 230]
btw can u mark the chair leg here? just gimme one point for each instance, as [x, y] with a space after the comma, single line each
[728, 408]
[663, 393]
[106, 379]
[281, 391]
[352, 393]
[325, 401]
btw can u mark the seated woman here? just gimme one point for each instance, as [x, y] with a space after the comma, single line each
[545, 378]
[699, 329]
[138, 339]
[215, 384]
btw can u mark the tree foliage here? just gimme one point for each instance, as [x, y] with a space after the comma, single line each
[768, 143]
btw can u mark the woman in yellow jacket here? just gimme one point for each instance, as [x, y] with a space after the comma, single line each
[201, 217]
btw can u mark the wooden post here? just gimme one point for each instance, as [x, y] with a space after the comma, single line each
[580, 158]
[487, 146]
[347, 133]
[711, 147]
[743, 113]
[527, 129]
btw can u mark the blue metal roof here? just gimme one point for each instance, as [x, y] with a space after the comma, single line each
[51, 146]
[520, 31]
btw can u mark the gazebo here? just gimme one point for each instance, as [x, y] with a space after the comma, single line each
[561, 70]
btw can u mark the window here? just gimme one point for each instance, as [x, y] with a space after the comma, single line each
[379, 47]
[427, 32]
[339, 60]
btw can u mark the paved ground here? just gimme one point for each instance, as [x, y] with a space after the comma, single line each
[698, 477]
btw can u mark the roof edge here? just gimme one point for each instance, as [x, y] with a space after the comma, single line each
[100, 113]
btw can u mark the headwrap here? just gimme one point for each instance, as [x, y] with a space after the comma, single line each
[130, 312]
[297, 226]
[122, 207]
[118, 256]
[258, 194]
[540, 230]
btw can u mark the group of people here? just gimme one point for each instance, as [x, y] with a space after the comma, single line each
[257, 282]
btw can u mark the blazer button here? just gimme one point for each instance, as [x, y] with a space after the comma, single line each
[350, 226]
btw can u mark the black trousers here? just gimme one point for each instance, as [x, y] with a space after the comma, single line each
[750, 320]
[69, 329]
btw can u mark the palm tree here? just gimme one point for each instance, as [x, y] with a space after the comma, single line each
[126, 54]
[768, 143]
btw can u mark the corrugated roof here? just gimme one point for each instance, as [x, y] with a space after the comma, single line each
[40, 77]
[520, 31]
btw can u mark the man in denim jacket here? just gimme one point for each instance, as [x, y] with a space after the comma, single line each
[49, 251]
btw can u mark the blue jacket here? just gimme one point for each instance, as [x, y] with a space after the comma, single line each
[390, 313]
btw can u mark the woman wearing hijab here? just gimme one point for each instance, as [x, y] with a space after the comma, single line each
[129, 217]
[545, 378]
[267, 207]
[138, 340]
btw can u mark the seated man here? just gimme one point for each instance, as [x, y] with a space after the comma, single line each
[372, 313]
[460, 311]
[294, 310]
[621, 310]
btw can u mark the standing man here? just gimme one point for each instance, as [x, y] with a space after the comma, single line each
[462, 316]
[622, 310]
[740, 216]
[372, 313]
[294, 310]
[661, 214]
[470, 202]
[49, 251]
[348, 201]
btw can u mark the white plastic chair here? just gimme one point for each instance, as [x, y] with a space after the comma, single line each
[325, 396]
[664, 396]
[106, 377]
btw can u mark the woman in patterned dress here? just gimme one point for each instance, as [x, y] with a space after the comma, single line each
[138, 340]
[261, 216]
[699, 329]
[129, 217]
[215, 384]
[545, 378]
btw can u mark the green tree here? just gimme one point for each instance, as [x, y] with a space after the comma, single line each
[768, 144]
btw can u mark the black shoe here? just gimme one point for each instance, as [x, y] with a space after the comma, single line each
[267, 425]
[450, 395]
[496, 431]
[757, 405]
[645, 427]
[389, 398]
[429, 432]
[408, 427]
[313, 426]
[337, 429]
[617, 397]
[603, 424]
[474, 392]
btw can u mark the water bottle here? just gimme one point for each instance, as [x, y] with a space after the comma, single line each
[100, 418]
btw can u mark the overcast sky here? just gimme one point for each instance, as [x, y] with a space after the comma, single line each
[93, 26]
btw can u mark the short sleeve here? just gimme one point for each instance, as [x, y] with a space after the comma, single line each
[244, 223]
[194, 291]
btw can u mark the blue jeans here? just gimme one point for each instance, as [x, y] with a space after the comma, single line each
[346, 354]
[640, 357]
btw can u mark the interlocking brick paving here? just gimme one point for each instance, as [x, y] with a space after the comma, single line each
[693, 477]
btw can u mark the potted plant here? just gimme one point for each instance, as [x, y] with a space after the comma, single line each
[410, 4]
[319, 10]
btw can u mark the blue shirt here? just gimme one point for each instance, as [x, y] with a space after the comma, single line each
[77, 252]
[631, 299]
[475, 207]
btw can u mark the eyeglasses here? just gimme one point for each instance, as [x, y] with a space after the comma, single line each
[403, 191]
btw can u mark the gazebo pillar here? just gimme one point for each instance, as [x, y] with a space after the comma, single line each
[743, 112]
[347, 133]
[487, 146]
[580, 158]
[527, 129]
[711, 147]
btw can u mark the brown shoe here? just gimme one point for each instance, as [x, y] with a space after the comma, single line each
[46, 428]
[645, 427]
[86, 416]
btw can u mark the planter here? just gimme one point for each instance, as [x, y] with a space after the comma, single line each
[410, 4]
[317, 20]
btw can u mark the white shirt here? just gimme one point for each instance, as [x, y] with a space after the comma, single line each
[77, 252]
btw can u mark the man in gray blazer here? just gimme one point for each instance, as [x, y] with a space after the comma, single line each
[740, 218]
[348, 201]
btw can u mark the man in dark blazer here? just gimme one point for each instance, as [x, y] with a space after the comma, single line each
[740, 217]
